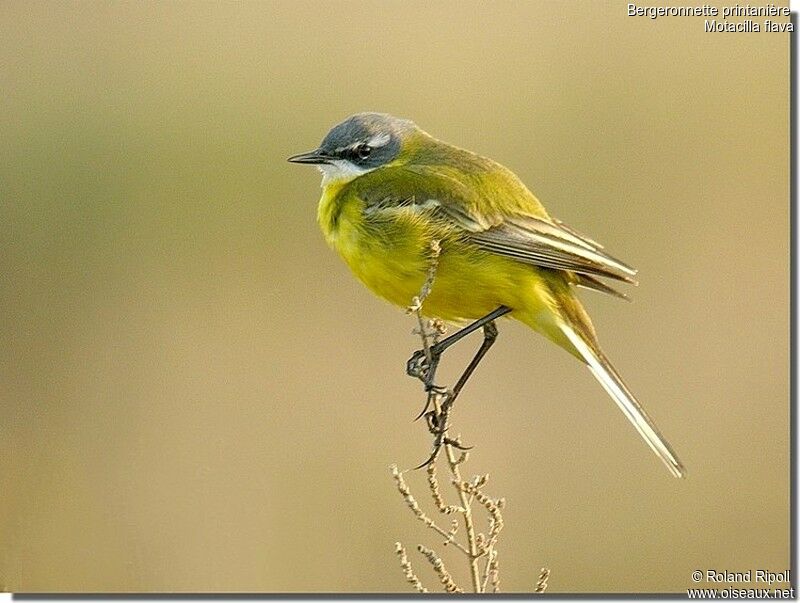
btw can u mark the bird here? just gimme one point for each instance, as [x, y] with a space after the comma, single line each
[391, 193]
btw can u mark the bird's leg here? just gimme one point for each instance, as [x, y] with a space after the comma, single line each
[438, 348]
[423, 363]
[489, 337]
[435, 422]
[437, 418]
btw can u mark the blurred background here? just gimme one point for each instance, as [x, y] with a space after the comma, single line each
[196, 395]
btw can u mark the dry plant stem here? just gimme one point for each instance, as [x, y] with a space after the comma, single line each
[438, 566]
[492, 573]
[412, 504]
[492, 508]
[416, 303]
[408, 571]
[472, 545]
[541, 584]
[486, 545]
[478, 545]
[433, 484]
[435, 400]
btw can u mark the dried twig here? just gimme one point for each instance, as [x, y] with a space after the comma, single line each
[411, 577]
[492, 508]
[492, 573]
[541, 583]
[438, 566]
[412, 504]
[433, 483]
[479, 549]
[467, 511]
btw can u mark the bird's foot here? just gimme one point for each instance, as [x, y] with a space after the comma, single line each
[422, 365]
[438, 442]
[417, 365]
[437, 425]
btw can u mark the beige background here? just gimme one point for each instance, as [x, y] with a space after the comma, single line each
[196, 395]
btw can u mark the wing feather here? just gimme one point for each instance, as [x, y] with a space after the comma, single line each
[528, 236]
[545, 243]
[589, 282]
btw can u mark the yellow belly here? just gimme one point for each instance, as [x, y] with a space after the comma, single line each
[469, 283]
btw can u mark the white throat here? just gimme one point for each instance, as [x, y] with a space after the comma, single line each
[340, 171]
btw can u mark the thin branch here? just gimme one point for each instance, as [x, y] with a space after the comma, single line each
[541, 583]
[492, 508]
[408, 571]
[438, 566]
[412, 504]
[472, 544]
[478, 545]
[492, 572]
[433, 483]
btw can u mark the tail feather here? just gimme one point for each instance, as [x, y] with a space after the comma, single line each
[608, 377]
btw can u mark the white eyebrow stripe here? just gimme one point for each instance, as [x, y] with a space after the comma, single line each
[379, 140]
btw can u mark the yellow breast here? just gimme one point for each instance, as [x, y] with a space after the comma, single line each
[392, 258]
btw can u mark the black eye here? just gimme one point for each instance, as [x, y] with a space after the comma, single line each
[363, 151]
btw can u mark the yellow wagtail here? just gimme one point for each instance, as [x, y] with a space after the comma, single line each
[391, 190]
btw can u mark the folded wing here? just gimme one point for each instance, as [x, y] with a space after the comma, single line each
[547, 244]
[526, 234]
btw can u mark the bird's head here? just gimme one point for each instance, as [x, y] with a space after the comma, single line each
[360, 144]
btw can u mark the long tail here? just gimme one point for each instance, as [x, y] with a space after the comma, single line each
[608, 377]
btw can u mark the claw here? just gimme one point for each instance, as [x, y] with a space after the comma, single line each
[422, 365]
[439, 390]
[436, 448]
[457, 444]
[425, 409]
[433, 390]
[415, 367]
[435, 423]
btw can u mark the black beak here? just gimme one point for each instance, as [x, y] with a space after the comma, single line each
[316, 156]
